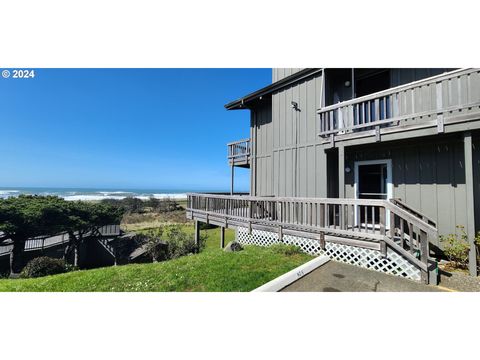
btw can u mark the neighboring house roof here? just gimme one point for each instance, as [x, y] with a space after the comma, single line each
[244, 101]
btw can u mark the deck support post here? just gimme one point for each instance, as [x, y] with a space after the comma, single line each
[472, 256]
[341, 171]
[197, 233]
[232, 178]
[222, 237]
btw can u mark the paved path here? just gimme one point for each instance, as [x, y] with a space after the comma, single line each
[459, 282]
[339, 277]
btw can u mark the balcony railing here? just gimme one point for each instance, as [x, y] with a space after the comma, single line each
[431, 102]
[239, 152]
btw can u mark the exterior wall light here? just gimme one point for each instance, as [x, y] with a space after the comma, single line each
[347, 169]
[294, 105]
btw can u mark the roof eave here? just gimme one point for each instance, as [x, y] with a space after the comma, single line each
[242, 103]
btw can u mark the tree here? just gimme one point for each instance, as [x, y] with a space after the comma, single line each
[28, 216]
[85, 218]
[154, 244]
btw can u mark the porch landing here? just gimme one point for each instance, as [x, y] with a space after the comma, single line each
[340, 277]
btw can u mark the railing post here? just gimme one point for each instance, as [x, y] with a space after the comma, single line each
[439, 103]
[392, 224]
[341, 171]
[250, 212]
[383, 244]
[424, 253]
[322, 225]
[232, 178]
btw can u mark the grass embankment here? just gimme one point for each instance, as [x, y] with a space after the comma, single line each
[211, 270]
[149, 221]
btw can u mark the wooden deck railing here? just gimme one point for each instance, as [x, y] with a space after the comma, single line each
[239, 150]
[361, 222]
[41, 243]
[414, 211]
[416, 103]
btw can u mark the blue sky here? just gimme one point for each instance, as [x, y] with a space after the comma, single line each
[124, 128]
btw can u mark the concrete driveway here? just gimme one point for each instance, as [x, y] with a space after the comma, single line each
[339, 277]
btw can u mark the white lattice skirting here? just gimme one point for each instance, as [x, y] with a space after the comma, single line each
[370, 259]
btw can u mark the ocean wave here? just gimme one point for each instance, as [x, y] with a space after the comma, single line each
[120, 197]
[91, 197]
[96, 195]
[6, 192]
[171, 196]
[106, 193]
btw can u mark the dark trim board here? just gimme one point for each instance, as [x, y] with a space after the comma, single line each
[243, 102]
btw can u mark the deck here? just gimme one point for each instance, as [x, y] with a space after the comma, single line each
[370, 224]
[239, 153]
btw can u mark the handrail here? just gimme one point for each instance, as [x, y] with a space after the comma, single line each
[401, 204]
[418, 222]
[415, 103]
[371, 220]
[239, 149]
[291, 199]
[390, 91]
[239, 141]
[45, 242]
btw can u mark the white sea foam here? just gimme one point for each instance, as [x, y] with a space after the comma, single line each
[7, 192]
[97, 195]
[120, 197]
[106, 193]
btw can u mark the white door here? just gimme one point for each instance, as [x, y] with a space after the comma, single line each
[373, 180]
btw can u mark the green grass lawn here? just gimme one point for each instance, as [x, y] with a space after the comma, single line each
[211, 270]
[212, 235]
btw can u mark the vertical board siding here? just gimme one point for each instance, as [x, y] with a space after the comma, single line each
[281, 73]
[428, 175]
[405, 76]
[295, 136]
[263, 156]
[437, 191]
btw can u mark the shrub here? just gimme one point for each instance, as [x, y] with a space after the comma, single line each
[286, 249]
[178, 242]
[43, 266]
[154, 244]
[456, 248]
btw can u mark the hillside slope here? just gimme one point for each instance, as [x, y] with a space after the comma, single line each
[211, 270]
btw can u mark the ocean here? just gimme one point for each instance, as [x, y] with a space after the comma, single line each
[73, 194]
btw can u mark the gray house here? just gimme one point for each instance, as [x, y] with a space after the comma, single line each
[368, 166]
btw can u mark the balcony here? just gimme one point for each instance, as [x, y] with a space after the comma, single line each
[239, 153]
[440, 104]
